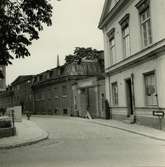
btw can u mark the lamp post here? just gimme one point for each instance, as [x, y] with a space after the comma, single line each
[13, 122]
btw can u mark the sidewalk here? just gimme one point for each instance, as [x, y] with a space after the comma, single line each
[27, 133]
[132, 128]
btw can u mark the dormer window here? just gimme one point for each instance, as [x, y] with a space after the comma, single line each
[50, 74]
[40, 78]
[145, 21]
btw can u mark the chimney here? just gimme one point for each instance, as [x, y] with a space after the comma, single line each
[58, 61]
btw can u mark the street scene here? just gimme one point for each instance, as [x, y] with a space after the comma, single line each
[79, 142]
[82, 83]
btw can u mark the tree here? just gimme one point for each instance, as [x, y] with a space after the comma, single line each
[84, 53]
[70, 58]
[20, 23]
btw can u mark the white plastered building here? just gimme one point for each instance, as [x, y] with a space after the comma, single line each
[134, 45]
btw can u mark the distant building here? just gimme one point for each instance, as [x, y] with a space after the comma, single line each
[52, 89]
[19, 93]
[6, 98]
[134, 42]
[22, 93]
[50, 92]
[89, 96]
[2, 78]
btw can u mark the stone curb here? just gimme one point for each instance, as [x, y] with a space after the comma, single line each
[26, 143]
[43, 136]
[128, 130]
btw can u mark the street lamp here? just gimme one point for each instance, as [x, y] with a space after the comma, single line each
[13, 122]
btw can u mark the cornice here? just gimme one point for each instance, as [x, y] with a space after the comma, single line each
[112, 13]
[150, 51]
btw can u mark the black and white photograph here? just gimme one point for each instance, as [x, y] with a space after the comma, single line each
[82, 83]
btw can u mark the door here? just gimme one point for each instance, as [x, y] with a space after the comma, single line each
[129, 96]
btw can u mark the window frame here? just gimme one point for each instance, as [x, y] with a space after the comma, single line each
[115, 95]
[147, 24]
[145, 75]
[143, 8]
[112, 46]
[124, 37]
[64, 90]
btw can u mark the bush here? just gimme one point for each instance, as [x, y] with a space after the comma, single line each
[2, 111]
[5, 124]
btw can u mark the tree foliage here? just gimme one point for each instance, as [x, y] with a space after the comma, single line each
[84, 53]
[20, 23]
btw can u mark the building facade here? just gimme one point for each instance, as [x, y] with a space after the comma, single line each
[22, 92]
[50, 92]
[52, 89]
[19, 93]
[89, 97]
[6, 98]
[134, 43]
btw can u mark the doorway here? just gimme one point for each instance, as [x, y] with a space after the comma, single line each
[129, 96]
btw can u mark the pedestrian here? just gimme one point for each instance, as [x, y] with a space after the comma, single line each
[28, 114]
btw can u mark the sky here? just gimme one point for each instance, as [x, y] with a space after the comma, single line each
[74, 25]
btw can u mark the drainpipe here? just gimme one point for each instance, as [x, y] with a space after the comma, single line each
[133, 97]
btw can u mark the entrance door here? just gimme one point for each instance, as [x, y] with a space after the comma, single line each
[129, 97]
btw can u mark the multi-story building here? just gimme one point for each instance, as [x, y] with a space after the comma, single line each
[134, 41]
[19, 93]
[50, 92]
[52, 89]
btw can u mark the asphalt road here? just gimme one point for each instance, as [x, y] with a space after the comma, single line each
[79, 143]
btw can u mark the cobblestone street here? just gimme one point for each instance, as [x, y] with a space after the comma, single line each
[78, 143]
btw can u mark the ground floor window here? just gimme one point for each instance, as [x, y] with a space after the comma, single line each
[150, 89]
[115, 93]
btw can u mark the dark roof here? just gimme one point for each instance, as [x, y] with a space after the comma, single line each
[69, 71]
[21, 79]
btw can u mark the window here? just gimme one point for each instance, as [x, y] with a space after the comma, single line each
[112, 50]
[18, 87]
[40, 77]
[114, 93]
[56, 92]
[145, 21]
[49, 94]
[124, 22]
[146, 27]
[126, 42]
[111, 36]
[64, 90]
[150, 89]
[49, 74]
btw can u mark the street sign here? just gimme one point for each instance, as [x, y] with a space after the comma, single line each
[158, 113]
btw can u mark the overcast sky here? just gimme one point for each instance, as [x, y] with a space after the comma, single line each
[74, 25]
